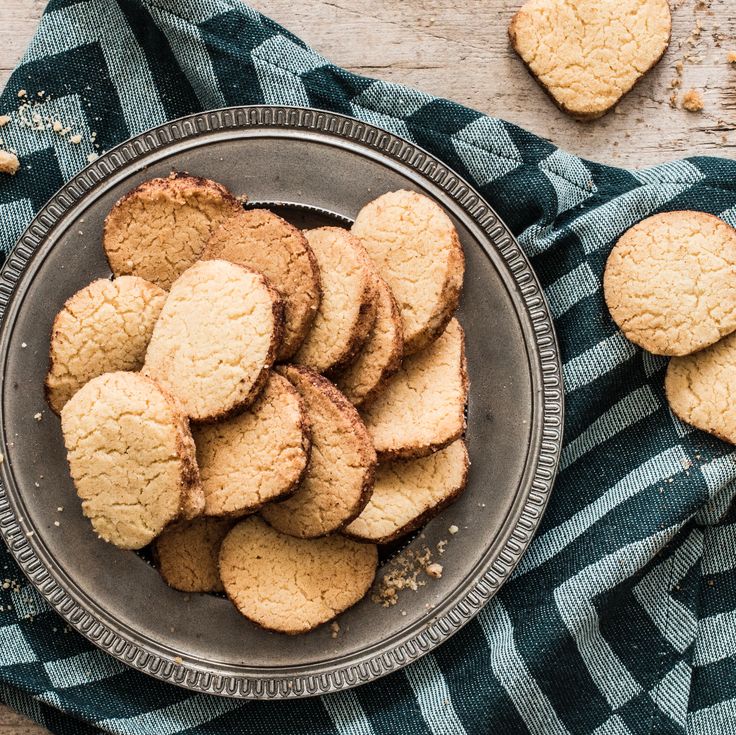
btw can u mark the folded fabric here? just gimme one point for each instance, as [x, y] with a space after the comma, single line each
[621, 618]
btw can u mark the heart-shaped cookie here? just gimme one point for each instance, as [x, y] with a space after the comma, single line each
[587, 54]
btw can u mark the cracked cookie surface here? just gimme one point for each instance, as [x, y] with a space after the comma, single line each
[587, 54]
[670, 282]
[292, 585]
[103, 328]
[131, 457]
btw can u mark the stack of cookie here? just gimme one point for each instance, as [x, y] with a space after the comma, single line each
[670, 285]
[265, 405]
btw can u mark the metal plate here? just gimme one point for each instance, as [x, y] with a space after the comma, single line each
[329, 163]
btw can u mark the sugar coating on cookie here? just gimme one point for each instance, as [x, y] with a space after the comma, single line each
[670, 282]
[701, 389]
[187, 554]
[257, 456]
[160, 228]
[215, 339]
[587, 54]
[339, 478]
[348, 307]
[422, 407]
[292, 585]
[416, 249]
[381, 354]
[408, 493]
[103, 328]
[131, 457]
[263, 241]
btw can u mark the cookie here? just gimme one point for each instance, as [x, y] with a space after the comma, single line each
[339, 478]
[422, 407]
[670, 282]
[257, 456]
[187, 553]
[131, 457]
[161, 227]
[588, 54]
[701, 389]
[103, 328]
[417, 251]
[215, 339]
[348, 307]
[264, 242]
[409, 493]
[381, 355]
[292, 585]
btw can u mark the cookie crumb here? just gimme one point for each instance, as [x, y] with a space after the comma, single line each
[9, 163]
[693, 101]
[76, 139]
[732, 57]
[60, 508]
[22, 93]
[178, 660]
[4, 120]
[57, 524]
[434, 570]
[453, 529]
[38, 416]
[23, 345]
[92, 157]
[334, 629]
[2, 457]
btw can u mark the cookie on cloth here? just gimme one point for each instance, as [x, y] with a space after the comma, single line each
[670, 282]
[587, 54]
[292, 585]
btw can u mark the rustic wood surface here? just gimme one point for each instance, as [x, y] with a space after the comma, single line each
[460, 50]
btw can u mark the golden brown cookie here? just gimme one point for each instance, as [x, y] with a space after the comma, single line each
[102, 328]
[670, 282]
[264, 242]
[131, 457]
[187, 554]
[701, 389]
[216, 339]
[292, 585]
[339, 479]
[408, 493]
[416, 249]
[257, 456]
[587, 54]
[422, 407]
[348, 307]
[161, 227]
[381, 355]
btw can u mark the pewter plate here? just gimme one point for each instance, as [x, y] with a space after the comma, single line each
[322, 167]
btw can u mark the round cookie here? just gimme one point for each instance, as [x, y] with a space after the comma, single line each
[701, 388]
[292, 585]
[409, 493]
[102, 328]
[187, 553]
[381, 355]
[670, 282]
[422, 407]
[348, 307]
[257, 456]
[216, 339]
[416, 249]
[339, 479]
[258, 239]
[131, 457]
[160, 228]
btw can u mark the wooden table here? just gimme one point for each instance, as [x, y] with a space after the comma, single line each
[460, 50]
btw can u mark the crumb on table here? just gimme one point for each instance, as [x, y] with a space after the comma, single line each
[9, 163]
[732, 57]
[693, 101]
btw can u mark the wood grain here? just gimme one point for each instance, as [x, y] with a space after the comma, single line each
[460, 50]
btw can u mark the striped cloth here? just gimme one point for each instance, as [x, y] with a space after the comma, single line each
[622, 617]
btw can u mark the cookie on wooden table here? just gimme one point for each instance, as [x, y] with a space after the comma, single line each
[339, 479]
[587, 54]
[422, 407]
[259, 239]
[670, 282]
[103, 328]
[292, 585]
[187, 554]
[257, 456]
[416, 250]
[215, 339]
[348, 307]
[161, 227]
[408, 493]
[131, 457]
